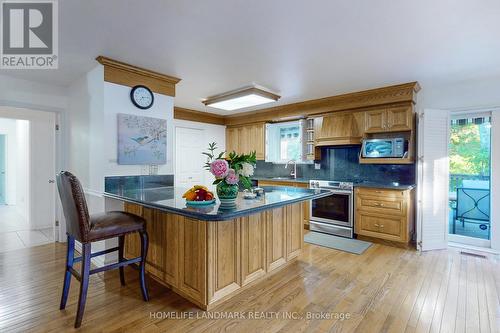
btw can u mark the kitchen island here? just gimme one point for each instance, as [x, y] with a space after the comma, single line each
[208, 254]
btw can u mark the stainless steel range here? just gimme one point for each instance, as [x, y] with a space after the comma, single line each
[333, 214]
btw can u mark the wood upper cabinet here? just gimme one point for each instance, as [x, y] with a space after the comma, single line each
[385, 214]
[338, 128]
[375, 121]
[400, 119]
[247, 138]
[396, 119]
[232, 139]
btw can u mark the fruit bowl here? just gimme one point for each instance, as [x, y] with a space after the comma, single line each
[199, 195]
[200, 203]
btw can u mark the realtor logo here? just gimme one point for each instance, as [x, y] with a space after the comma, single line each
[29, 37]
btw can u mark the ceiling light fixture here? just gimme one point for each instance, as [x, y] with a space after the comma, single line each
[241, 98]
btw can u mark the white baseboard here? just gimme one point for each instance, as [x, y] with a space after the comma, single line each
[38, 227]
[472, 247]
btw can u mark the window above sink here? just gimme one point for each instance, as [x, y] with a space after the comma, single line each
[286, 141]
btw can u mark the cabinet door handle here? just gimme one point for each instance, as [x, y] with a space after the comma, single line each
[376, 225]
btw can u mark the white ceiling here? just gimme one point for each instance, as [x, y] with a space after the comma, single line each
[300, 49]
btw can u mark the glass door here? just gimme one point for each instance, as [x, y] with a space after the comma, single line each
[469, 219]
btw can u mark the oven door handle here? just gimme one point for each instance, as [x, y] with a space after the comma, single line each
[338, 191]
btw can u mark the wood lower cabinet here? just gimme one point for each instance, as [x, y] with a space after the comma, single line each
[253, 247]
[208, 262]
[247, 138]
[306, 205]
[385, 214]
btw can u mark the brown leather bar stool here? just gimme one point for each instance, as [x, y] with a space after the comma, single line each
[87, 229]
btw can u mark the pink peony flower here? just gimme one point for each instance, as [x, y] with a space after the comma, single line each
[219, 168]
[232, 177]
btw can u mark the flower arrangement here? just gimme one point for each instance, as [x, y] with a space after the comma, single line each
[230, 169]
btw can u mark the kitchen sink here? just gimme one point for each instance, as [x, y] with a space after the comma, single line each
[282, 178]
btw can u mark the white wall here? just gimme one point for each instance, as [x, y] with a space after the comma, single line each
[479, 94]
[93, 106]
[40, 96]
[471, 94]
[117, 100]
[9, 129]
[211, 133]
[86, 100]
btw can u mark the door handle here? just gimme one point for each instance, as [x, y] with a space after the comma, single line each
[51, 181]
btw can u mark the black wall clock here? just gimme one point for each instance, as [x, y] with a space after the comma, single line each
[142, 97]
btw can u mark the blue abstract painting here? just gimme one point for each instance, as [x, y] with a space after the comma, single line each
[141, 140]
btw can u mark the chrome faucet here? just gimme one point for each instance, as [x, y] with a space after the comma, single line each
[293, 173]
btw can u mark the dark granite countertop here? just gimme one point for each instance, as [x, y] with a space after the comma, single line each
[170, 199]
[371, 184]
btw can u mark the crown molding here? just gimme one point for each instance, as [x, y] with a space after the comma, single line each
[198, 116]
[396, 94]
[125, 74]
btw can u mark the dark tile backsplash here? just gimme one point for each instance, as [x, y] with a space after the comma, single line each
[342, 164]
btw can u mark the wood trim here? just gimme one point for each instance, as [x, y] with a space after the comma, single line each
[380, 96]
[238, 93]
[128, 75]
[198, 116]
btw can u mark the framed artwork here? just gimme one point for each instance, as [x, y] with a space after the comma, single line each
[141, 140]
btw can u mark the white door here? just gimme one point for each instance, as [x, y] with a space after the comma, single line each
[42, 182]
[433, 172]
[189, 160]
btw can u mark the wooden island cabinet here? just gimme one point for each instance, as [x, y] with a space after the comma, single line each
[306, 209]
[208, 262]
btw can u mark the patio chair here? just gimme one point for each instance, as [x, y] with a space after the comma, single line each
[471, 183]
[473, 205]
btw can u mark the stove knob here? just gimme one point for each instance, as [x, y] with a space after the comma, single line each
[317, 184]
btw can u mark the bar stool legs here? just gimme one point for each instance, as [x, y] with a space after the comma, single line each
[85, 273]
[84, 283]
[142, 265]
[70, 254]
[121, 245]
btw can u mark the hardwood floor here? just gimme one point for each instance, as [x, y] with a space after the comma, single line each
[384, 290]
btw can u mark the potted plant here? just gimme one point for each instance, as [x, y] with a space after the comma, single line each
[230, 170]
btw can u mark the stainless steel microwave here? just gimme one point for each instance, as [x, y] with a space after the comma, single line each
[380, 148]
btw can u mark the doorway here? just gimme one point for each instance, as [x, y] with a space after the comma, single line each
[27, 163]
[469, 217]
[189, 160]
